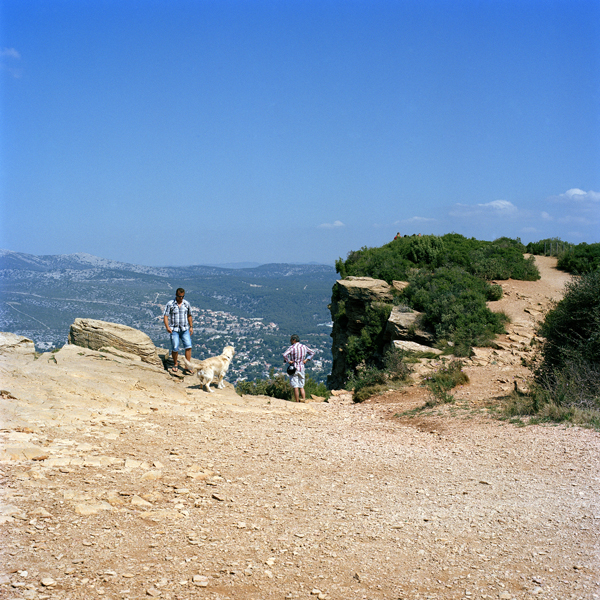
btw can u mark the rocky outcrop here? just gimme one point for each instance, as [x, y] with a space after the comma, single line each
[400, 285]
[405, 324]
[113, 338]
[364, 289]
[351, 301]
[413, 347]
[15, 344]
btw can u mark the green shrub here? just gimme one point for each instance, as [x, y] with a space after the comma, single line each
[278, 386]
[385, 263]
[539, 405]
[396, 366]
[577, 259]
[506, 242]
[494, 293]
[500, 259]
[569, 372]
[447, 377]
[312, 388]
[549, 247]
[572, 327]
[454, 303]
[366, 381]
[566, 383]
[583, 258]
[364, 347]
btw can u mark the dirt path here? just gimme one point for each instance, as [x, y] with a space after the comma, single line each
[118, 482]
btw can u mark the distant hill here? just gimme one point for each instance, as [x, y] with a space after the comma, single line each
[255, 309]
[57, 262]
[82, 261]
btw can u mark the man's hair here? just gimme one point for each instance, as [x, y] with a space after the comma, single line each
[180, 291]
[295, 339]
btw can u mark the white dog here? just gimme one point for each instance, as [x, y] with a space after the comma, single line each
[211, 369]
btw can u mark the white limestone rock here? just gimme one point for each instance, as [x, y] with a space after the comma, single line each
[94, 334]
[15, 344]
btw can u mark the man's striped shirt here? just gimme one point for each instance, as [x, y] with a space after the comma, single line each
[298, 353]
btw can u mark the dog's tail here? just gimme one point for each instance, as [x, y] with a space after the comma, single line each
[187, 364]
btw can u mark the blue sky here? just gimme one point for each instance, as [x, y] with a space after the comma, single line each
[191, 132]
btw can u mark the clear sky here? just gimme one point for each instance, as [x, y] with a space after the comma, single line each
[177, 132]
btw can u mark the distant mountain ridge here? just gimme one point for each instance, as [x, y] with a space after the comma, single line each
[83, 261]
[79, 261]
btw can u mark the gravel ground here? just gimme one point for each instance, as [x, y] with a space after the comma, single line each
[262, 500]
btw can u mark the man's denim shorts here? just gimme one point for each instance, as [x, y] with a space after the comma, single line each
[184, 336]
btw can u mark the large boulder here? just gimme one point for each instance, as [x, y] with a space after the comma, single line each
[404, 324]
[365, 289]
[15, 344]
[101, 335]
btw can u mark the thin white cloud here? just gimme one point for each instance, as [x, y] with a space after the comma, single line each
[331, 225]
[579, 196]
[578, 207]
[9, 53]
[496, 208]
[503, 206]
[461, 210]
[546, 216]
[8, 56]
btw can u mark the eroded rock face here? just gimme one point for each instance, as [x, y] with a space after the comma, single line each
[94, 334]
[15, 344]
[351, 298]
[365, 288]
[405, 325]
[400, 285]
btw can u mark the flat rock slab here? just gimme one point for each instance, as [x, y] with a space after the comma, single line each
[414, 347]
[13, 343]
[113, 338]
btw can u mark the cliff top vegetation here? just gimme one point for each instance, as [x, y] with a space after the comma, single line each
[399, 259]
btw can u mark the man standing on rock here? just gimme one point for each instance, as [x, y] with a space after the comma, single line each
[178, 321]
[297, 355]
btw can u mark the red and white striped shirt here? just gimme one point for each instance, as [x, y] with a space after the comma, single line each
[298, 353]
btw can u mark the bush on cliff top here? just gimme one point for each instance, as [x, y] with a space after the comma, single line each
[448, 283]
[500, 259]
[454, 303]
[583, 258]
[572, 332]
